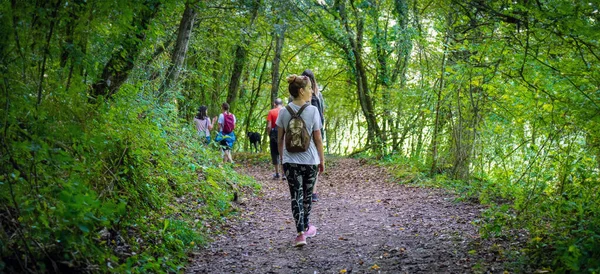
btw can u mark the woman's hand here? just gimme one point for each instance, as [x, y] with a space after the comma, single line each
[321, 167]
[214, 122]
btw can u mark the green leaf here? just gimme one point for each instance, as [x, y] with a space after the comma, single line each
[166, 225]
[83, 228]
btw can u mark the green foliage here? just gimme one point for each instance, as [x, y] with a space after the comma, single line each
[99, 190]
[497, 101]
[562, 226]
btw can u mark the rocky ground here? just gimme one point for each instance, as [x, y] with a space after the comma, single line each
[366, 224]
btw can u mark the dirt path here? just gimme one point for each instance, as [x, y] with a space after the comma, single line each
[366, 224]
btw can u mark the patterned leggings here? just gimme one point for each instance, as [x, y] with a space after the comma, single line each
[301, 180]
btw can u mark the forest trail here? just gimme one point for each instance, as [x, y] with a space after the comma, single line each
[366, 224]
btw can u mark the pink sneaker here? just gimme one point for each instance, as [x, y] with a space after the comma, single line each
[300, 240]
[311, 231]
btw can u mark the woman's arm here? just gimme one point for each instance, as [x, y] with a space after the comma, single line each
[210, 125]
[319, 144]
[215, 121]
[322, 101]
[280, 133]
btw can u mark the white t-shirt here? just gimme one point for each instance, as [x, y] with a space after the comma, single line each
[312, 119]
[221, 120]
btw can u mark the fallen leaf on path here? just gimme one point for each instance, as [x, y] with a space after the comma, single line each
[343, 271]
[375, 267]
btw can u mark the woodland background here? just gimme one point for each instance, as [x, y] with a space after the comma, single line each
[497, 100]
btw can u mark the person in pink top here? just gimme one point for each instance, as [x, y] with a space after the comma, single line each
[203, 124]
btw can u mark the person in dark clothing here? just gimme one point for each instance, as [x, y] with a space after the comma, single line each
[317, 101]
[272, 130]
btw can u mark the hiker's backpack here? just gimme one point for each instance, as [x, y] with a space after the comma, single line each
[228, 123]
[297, 138]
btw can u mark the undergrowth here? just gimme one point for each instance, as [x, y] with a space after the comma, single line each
[563, 228]
[117, 186]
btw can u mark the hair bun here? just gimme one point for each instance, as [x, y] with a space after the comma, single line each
[290, 79]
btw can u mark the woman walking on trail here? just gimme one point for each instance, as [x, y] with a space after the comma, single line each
[302, 167]
[203, 124]
[317, 101]
[226, 137]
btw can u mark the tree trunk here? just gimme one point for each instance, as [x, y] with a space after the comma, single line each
[419, 147]
[460, 164]
[383, 77]
[353, 51]
[180, 50]
[403, 50]
[438, 102]
[239, 62]
[256, 91]
[117, 69]
[47, 50]
[241, 56]
[279, 36]
[74, 11]
[215, 104]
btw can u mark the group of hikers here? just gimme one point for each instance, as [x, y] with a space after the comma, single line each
[295, 141]
[225, 136]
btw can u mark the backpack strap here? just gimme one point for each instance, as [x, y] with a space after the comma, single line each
[302, 109]
[290, 110]
[293, 113]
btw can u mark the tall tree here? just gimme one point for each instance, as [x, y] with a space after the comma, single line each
[353, 48]
[279, 37]
[241, 54]
[117, 69]
[181, 47]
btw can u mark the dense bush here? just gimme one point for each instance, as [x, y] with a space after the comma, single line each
[563, 225]
[120, 185]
